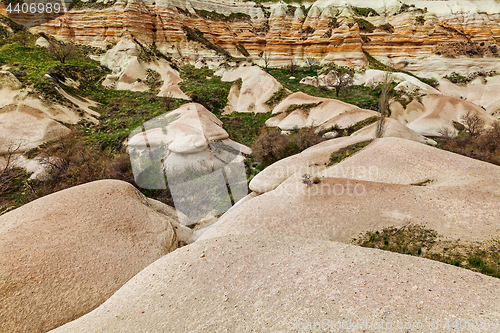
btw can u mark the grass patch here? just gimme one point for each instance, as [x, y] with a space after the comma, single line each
[411, 239]
[203, 87]
[416, 240]
[215, 16]
[304, 107]
[361, 96]
[197, 36]
[359, 125]
[277, 97]
[364, 25]
[244, 127]
[341, 154]
[364, 11]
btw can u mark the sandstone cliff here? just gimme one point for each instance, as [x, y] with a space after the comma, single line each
[421, 36]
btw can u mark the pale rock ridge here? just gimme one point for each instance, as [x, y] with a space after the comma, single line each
[327, 114]
[313, 160]
[131, 73]
[385, 184]
[393, 128]
[27, 121]
[441, 111]
[257, 87]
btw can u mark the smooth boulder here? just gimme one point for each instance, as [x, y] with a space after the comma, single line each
[66, 253]
[275, 284]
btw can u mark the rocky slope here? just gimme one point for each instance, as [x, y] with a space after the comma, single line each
[66, 253]
[273, 284]
[423, 36]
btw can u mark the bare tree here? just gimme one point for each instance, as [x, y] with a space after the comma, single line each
[292, 66]
[446, 133]
[339, 78]
[62, 52]
[383, 105]
[311, 62]
[8, 173]
[473, 124]
[266, 56]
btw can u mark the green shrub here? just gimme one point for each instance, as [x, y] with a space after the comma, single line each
[271, 146]
[197, 36]
[364, 25]
[387, 27]
[341, 154]
[364, 11]
[215, 16]
[153, 79]
[333, 23]
[277, 97]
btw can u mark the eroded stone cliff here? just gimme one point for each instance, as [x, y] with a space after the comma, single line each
[420, 36]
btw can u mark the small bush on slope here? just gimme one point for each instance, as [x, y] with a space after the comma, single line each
[271, 146]
[484, 146]
[418, 241]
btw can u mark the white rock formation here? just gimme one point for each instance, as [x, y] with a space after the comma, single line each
[257, 87]
[312, 111]
[130, 72]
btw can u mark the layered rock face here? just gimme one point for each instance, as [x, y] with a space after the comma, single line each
[425, 36]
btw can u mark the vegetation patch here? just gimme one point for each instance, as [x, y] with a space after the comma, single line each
[14, 189]
[387, 27]
[271, 145]
[362, 96]
[203, 87]
[416, 240]
[364, 25]
[411, 239]
[459, 79]
[197, 36]
[153, 79]
[364, 11]
[244, 127]
[333, 23]
[215, 16]
[277, 97]
[341, 154]
[473, 140]
[304, 107]
[78, 4]
[359, 125]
